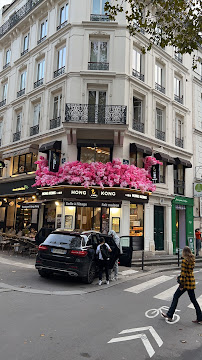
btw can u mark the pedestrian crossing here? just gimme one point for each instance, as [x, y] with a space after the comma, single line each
[165, 295]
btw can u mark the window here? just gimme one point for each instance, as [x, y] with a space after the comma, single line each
[5, 89]
[136, 158]
[24, 163]
[43, 30]
[25, 44]
[137, 65]
[160, 133]
[98, 56]
[96, 106]
[89, 154]
[61, 58]
[40, 70]
[98, 7]
[23, 80]
[57, 106]
[178, 56]
[162, 171]
[178, 90]
[36, 114]
[1, 128]
[136, 220]
[138, 124]
[19, 122]
[8, 57]
[159, 78]
[179, 132]
[179, 179]
[64, 10]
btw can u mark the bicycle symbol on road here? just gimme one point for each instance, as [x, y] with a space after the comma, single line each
[152, 313]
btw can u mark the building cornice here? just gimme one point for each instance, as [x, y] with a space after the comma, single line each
[160, 95]
[197, 81]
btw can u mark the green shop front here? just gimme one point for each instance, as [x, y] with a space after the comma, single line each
[182, 223]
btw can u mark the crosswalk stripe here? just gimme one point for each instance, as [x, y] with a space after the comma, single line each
[199, 299]
[167, 294]
[148, 284]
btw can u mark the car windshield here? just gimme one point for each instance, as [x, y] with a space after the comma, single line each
[67, 241]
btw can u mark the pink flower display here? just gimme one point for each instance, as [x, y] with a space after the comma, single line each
[111, 174]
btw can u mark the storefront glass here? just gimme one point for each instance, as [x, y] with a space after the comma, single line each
[136, 220]
[50, 215]
[91, 154]
[24, 163]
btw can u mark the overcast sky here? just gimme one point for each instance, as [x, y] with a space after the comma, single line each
[5, 2]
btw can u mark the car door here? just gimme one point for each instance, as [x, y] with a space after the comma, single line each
[126, 257]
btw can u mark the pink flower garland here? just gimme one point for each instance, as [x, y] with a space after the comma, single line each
[110, 174]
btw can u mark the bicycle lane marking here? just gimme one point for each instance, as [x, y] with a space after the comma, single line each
[152, 313]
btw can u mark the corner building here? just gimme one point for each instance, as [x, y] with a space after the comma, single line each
[75, 84]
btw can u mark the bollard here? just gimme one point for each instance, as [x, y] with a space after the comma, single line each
[142, 259]
[178, 257]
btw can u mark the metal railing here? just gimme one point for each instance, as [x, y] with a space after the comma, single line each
[54, 123]
[179, 142]
[178, 98]
[6, 65]
[34, 130]
[3, 102]
[16, 136]
[21, 92]
[95, 114]
[137, 74]
[179, 187]
[41, 40]
[98, 66]
[62, 25]
[24, 52]
[38, 83]
[101, 17]
[160, 135]
[18, 15]
[138, 126]
[59, 72]
[160, 88]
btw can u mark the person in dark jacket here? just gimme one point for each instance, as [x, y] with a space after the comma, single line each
[103, 263]
[187, 283]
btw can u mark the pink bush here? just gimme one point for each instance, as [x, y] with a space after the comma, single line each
[110, 174]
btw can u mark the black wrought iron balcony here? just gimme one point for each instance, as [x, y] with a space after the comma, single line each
[98, 66]
[21, 92]
[62, 25]
[160, 88]
[16, 136]
[6, 65]
[59, 72]
[34, 130]
[138, 126]
[179, 187]
[95, 114]
[137, 74]
[99, 17]
[24, 52]
[179, 142]
[41, 40]
[18, 15]
[3, 102]
[178, 98]
[38, 83]
[178, 57]
[160, 135]
[54, 123]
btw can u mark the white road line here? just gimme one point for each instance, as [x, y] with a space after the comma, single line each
[150, 328]
[148, 284]
[143, 337]
[128, 272]
[199, 299]
[167, 294]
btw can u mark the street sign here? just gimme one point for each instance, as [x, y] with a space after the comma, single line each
[141, 336]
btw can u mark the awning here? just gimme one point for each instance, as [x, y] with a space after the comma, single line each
[165, 157]
[20, 151]
[53, 145]
[144, 149]
[183, 162]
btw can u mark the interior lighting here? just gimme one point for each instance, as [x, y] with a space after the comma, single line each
[33, 197]
[57, 203]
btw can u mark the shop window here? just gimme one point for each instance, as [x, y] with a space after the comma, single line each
[24, 163]
[137, 159]
[162, 170]
[179, 179]
[89, 154]
[136, 220]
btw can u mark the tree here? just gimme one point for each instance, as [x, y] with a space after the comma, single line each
[166, 22]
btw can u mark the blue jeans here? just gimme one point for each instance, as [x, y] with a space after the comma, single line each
[192, 297]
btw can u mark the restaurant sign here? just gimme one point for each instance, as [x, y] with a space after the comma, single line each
[93, 204]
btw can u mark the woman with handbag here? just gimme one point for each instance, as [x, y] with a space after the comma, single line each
[186, 282]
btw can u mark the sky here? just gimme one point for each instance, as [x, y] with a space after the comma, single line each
[5, 2]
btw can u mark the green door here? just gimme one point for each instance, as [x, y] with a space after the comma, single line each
[159, 227]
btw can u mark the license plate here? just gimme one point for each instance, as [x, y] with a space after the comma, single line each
[59, 251]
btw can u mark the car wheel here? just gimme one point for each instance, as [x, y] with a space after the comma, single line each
[44, 273]
[91, 274]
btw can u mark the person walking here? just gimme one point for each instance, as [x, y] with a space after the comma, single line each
[116, 264]
[186, 283]
[102, 251]
[198, 241]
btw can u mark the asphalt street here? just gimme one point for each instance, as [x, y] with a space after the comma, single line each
[99, 323]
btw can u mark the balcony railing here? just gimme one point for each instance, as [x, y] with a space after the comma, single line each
[54, 123]
[98, 66]
[179, 186]
[6, 65]
[178, 98]
[179, 142]
[3, 102]
[160, 135]
[41, 40]
[18, 15]
[137, 74]
[59, 72]
[160, 88]
[138, 126]
[38, 83]
[24, 52]
[178, 57]
[95, 114]
[62, 25]
[16, 136]
[97, 17]
[20, 92]
[34, 130]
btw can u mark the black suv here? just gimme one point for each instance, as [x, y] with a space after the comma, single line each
[72, 253]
